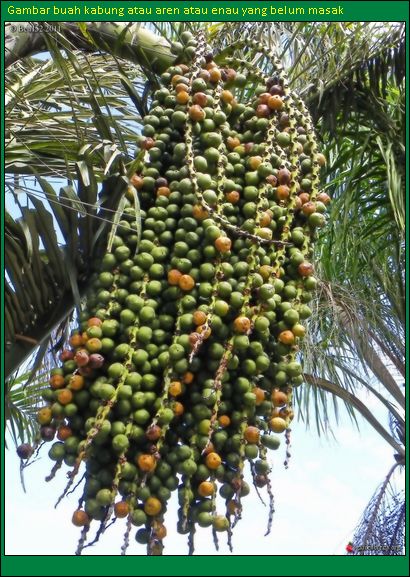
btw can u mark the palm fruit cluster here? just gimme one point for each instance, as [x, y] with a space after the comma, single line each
[183, 367]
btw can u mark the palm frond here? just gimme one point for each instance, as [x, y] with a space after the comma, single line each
[21, 401]
[128, 40]
[49, 125]
[48, 254]
[381, 530]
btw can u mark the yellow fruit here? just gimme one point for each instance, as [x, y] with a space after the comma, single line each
[277, 425]
[44, 416]
[152, 506]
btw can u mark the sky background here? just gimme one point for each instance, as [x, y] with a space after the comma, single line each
[318, 502]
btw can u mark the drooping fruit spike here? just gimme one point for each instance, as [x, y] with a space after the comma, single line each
[188, 339]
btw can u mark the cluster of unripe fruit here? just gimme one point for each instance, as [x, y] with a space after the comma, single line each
[183, 366]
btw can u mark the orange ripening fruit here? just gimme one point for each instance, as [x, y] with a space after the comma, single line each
[224, 421]
[186, 282]
[282, 192]
[252, 434]
[259, 394]
[206, 488]
[160, 531]
[279, 398]
[80, 518]
[286, 337]
[173, 276]
[275, 102]
[63, 432]
[242, 324]
[265, 219]
[277, 425]
[57, 381]
[163, 191]
[146, 463]
[178, 408]
[121, 509]
[182, 96]
[215, 75]
[199, 212]
[205, 331]
[226, 96]
[213, 460]
[188, 378]
[76, 340]
[233, 196]
[94, 322]
[199, 317]
[76, 382]
[137, 181]
[64, 396]
[152, 506]
[196, 112]
[175, 388]
[223, 244]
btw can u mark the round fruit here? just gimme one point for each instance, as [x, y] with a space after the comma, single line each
[223, 244]
[270, 441]
[146, 463]
[220, 523]
[277, 425]
[152, 506]
[206, 489]
[186, 282]
[121, 509]
[44, 416]
[242, 324]
[279, 398]
[213, 460]
[57, 381]
[80, 518]
[25, 451]
[286, 337]
[252, 434]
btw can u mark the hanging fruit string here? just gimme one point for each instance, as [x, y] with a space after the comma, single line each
[126, 539]
[205, 327]
[121, 373]
[82, 540]
[272, 147]
[53, 471]
[191, 539]
[184, 363]
[263, 456]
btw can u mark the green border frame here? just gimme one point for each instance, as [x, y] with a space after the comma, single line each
[226, 565]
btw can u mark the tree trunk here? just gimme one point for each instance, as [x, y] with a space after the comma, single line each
[123, 39]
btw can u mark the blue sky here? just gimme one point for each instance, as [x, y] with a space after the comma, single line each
[318, 502]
